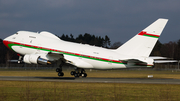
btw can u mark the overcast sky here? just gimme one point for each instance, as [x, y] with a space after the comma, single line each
[119, 19]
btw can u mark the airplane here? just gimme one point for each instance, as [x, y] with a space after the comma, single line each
[46, 48]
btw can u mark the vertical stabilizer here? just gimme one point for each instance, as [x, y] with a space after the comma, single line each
[143, 43]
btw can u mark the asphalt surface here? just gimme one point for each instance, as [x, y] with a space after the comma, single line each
[93, 80]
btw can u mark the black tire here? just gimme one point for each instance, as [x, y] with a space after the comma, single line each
[76, 71]
[82, 71]
[72, 72]
[85, 75]
[57, 70]
[80, 74]
[60, 74]
[76, 75]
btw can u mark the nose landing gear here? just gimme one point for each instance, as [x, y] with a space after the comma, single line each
[78, 72]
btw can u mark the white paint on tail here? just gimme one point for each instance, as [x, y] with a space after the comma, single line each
[142, 44]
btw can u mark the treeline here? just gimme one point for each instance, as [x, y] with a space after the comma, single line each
[3, 52]
[170, 50]
[6, 54]
[88, 39]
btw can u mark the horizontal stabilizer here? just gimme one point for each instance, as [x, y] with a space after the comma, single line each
[157, 57]
[165, 61]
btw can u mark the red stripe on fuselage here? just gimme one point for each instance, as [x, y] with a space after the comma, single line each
[8, 42]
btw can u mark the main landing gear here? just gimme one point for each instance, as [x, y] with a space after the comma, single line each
[76, 73]
[79, 72]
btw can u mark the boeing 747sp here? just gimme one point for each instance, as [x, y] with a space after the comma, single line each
[46, 48]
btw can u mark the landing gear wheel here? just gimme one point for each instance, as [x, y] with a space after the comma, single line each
[78, 73]
[58, 69]
[72, 73]
[60, 74]
[85, 75]
[82, 71]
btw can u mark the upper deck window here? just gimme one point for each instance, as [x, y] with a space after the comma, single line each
[32, 37]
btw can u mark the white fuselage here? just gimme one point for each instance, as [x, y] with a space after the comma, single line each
[80, 55]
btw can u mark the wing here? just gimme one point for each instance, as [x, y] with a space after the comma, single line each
[72, 60]
[157, 57]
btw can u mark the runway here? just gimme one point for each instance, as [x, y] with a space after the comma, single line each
[92, 80]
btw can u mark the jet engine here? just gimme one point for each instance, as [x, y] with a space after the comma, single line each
[35, 59]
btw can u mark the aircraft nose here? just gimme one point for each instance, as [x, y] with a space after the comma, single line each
[5, 43]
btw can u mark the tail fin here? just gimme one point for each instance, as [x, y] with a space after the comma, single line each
[143, 43]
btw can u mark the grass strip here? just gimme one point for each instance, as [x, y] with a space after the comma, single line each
[63, 91]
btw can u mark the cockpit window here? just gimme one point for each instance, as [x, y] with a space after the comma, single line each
[16, 33]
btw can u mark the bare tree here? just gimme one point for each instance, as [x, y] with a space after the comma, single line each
[116, 45]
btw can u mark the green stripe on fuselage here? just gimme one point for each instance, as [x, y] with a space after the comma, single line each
[92, 58]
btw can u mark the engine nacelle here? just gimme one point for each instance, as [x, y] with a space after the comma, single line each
[35, 59]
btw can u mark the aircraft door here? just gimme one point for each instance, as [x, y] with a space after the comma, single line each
[34, 43]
